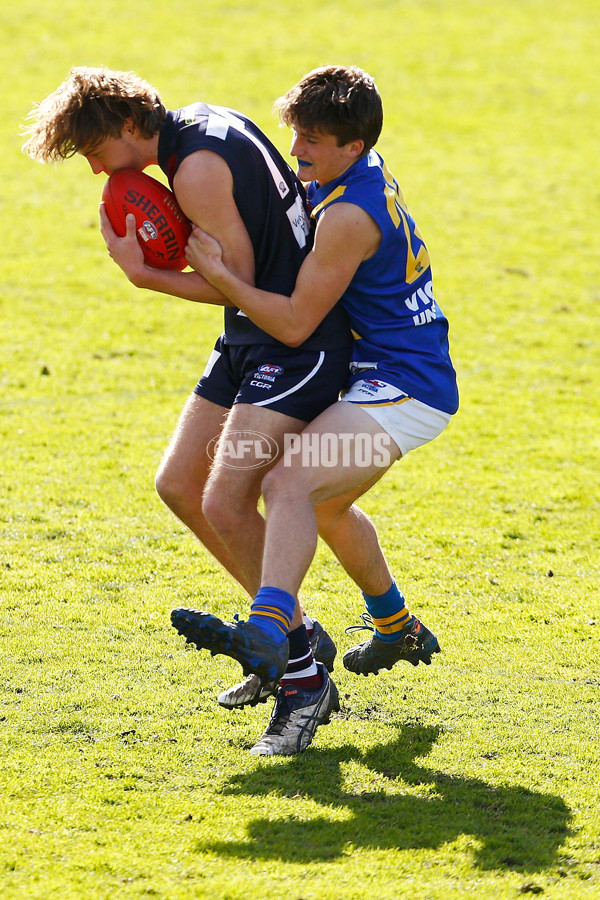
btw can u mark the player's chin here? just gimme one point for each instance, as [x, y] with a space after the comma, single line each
[304, 168]
[304, 173]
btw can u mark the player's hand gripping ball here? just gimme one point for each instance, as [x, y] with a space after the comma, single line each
[162, 228]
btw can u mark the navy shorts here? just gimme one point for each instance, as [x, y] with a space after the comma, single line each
[295, 382]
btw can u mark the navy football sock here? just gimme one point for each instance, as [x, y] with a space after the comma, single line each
[301, 669]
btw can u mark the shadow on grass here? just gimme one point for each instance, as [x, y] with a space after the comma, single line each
[512, 827]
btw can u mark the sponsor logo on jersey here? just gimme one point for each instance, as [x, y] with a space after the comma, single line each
[268, 369]
[422, 302]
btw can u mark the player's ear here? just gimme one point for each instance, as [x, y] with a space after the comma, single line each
[355, 148]
[129, 126]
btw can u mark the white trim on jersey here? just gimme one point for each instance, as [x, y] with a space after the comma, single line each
[220, 120]
[218, 125]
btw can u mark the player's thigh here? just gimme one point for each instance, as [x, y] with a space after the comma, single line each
[339, 455]
[189, 455]
[252, 441]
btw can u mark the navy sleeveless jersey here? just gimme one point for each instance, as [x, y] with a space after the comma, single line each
[271, 203]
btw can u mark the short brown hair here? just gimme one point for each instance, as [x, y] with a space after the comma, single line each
[339, 100]
[92, 104]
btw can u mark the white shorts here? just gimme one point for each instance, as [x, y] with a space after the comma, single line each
[408, 422]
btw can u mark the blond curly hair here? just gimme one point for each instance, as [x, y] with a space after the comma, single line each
[91, 105]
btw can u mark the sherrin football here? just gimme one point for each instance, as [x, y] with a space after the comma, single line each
[162, 228]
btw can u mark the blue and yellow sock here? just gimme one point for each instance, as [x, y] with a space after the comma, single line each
[272, 610]
[389, 613]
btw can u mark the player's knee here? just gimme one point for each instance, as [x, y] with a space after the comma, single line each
[163, 485]
[223, 516]
[326, 521]
[172, 488]
[210, 509]
[168, 492]
[331, 515]
[280, 483]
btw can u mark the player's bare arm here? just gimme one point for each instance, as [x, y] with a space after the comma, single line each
[127, 254]
[345, 236]
[203, 186]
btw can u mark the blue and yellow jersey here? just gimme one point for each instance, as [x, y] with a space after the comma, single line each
[398, 326]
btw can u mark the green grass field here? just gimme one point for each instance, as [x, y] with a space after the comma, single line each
[477, 777]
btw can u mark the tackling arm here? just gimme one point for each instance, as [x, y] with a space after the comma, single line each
[345, 236]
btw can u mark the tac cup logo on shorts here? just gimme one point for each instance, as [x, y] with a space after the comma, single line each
[243, 449]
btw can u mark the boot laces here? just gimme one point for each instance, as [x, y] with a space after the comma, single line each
[367, 624]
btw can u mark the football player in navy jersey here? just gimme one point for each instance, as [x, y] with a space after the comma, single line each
[402, 391]
[230, 180]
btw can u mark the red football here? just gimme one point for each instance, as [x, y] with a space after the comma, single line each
[162, 228]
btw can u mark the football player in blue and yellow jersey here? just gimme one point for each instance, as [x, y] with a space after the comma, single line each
[401, 392]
